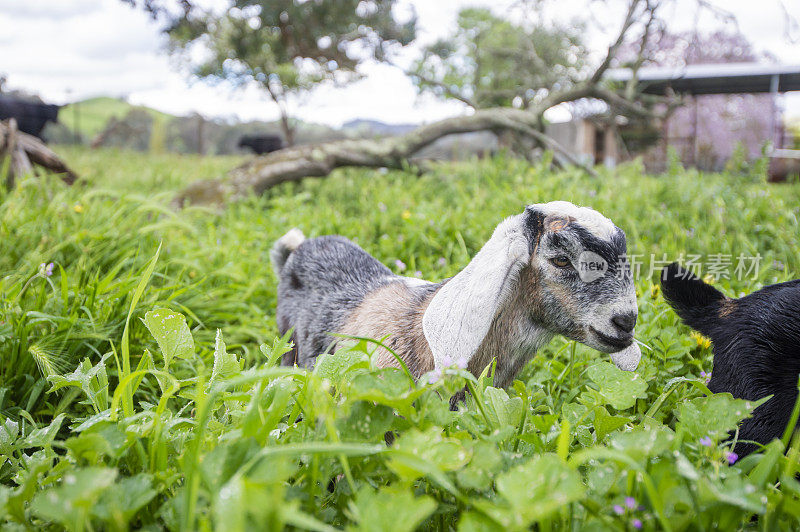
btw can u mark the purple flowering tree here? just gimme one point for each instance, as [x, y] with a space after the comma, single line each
[708, 130]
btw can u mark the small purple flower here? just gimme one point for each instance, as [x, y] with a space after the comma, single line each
[46, 269]
[462, 362]
[705, 441]
[637, 524]
[703, 374]
[434, 376]
[447, 361]
[418, 274]
[630, 502]
[619, 510]
[731, 457]
[400, 265]
[442, 262]
[382, 207]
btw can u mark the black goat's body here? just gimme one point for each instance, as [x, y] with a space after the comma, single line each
[756, 346]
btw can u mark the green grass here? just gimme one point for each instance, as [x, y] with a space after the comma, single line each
[93, 114]
[124, 407]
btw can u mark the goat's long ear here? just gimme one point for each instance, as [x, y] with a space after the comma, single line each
[697, 303]
[460, 314]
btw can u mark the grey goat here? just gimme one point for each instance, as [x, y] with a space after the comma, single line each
[553, 269]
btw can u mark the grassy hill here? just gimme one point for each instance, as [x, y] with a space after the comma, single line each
[93, 114]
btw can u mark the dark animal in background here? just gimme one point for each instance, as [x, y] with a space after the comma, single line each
[261, 144]
[31, 117]
[756, 345]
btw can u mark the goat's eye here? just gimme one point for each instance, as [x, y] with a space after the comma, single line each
[561, 261]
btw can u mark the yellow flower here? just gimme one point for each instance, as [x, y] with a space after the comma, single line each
[655, 290]
[701, 340]
[406, 214]
[78, 208]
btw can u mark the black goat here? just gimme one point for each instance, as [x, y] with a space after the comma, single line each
[261, 144]
[31, 117]
[756, 345]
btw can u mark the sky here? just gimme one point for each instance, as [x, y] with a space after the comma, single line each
[67, 50]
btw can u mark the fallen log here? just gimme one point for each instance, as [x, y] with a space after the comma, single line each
[26, 152]
[319, 160]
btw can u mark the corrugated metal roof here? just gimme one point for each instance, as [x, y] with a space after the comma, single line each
[729, 78]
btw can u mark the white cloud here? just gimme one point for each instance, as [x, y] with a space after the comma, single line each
[46, 10]
[72, 49]
[83, 48]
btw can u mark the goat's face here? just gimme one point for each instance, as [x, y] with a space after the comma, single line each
[578, 283]
[561, 267]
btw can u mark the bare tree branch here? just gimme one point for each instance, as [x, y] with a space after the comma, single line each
[718, 12]
[641, 56]
[447, 90]
[791, 31]
[630, 19]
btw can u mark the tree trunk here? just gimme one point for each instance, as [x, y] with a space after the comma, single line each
[287, 128]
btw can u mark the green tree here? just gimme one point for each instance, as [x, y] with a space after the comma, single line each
[289, 47]
[489, 61]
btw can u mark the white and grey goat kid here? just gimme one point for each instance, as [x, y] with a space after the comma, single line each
[553, 269]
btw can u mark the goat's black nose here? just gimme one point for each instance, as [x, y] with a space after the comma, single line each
[625, 322]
